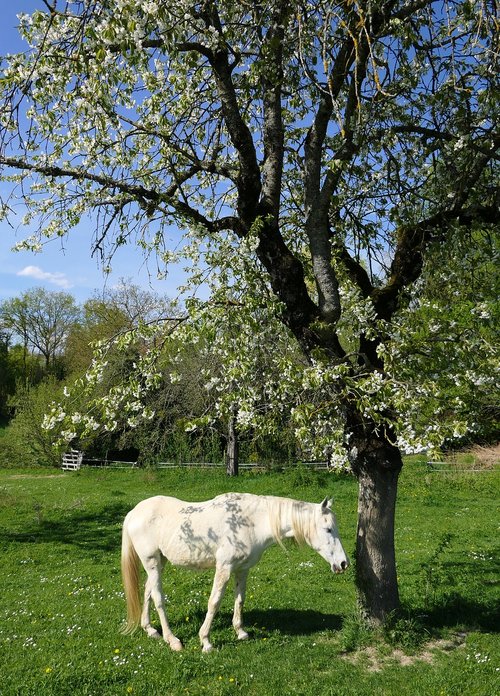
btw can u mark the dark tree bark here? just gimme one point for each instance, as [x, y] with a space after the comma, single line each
[376, 464]
[232, 448]
[376, 578]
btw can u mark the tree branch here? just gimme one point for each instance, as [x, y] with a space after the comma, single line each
[273, 134]
[248, 181]
[355, 51]
[149, 199]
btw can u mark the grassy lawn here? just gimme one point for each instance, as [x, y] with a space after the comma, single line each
[61, 602]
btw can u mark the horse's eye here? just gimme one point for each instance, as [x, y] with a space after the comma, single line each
[329, 530]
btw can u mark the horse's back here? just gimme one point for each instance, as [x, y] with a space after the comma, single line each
[150, 509]
[196, 534]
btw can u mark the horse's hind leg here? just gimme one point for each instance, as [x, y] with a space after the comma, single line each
[240, 583]
[154, 591]
[145, 616]
[221, 579]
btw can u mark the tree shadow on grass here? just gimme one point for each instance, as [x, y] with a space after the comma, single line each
[461, 614]
[292, 621]
[91, 530]
[261, 622]
[462, 596]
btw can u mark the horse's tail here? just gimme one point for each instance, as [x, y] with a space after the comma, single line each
[130, 577]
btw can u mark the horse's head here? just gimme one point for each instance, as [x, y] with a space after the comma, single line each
[325, 538]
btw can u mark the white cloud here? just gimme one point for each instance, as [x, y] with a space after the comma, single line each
[55, 278]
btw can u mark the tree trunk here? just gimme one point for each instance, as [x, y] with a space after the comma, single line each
[25, 361]
[232, 449]
[377, 464]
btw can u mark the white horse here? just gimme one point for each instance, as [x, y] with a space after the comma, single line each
[229, 533]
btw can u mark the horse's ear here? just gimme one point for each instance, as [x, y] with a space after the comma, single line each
[325, 504]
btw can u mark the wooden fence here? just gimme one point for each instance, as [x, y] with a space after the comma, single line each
[243, 466]
[75, 460]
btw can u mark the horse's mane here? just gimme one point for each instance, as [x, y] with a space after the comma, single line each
[300, 514]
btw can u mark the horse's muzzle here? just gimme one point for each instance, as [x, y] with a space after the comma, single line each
[340, 568]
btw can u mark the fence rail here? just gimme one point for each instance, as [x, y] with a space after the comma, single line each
[257, 466]
[434, 467]
[108, 463]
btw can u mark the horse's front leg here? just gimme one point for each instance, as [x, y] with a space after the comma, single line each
[222, 574]
[240, 583]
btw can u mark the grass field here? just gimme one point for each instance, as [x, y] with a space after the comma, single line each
[61, 601]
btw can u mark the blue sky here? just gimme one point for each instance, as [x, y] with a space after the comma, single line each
[63, 264]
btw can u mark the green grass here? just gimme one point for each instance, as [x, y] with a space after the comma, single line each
[61, 602]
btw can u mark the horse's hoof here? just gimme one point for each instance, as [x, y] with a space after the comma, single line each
[242, 635]
[152, 633]
[207, 648]
[175, 645]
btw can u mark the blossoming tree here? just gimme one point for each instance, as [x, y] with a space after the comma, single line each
[311, 151]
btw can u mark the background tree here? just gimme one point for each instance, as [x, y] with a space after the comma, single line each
[312, 150]
[109, 314]
[109, 318]
[26, 441]
[43, 320]
[7, 377]
[14, 322]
